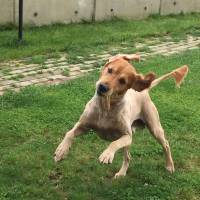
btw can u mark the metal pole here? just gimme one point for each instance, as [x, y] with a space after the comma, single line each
[20, 33]
[94, 10]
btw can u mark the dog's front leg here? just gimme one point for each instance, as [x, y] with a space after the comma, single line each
[63, 147]
[108, 155]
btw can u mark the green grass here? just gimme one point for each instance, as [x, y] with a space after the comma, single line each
[34, 121]
[83, 39]
[5, 70]
[37, 59]
[144, 49]
[17, 77]
[66, 72]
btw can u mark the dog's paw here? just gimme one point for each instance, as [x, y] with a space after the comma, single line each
[119, 174]
[170, 168]
[61, 152]
[106, 157]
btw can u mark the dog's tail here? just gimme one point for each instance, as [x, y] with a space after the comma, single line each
[178, 74]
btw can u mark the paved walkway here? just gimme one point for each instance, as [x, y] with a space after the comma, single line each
[17, 74]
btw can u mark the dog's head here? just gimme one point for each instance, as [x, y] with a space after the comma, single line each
[118, 75]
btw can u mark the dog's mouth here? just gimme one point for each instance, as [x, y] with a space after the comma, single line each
[109, 98]
[105, 99]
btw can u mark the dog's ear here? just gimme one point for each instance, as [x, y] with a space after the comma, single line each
[142, 82]
[127, 57]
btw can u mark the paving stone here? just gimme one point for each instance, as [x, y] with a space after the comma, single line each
[90, 62]
[52, 74]
[92, 54]
[57, 72]
[54, 77]
[5, 87]
[139, 45]
[58, 81]
[49, 61]
[28, 78]
[61, 63]
[23, 84]
[104, 56]
[74, 69]
[193, 44]
[40, 81]
[7, 82]
[74, 73]
[63, 58]
[8, 77]
[44, 75]
[19, 71]
[75, 65]
[1, 93]
[178, 49]
[35, 81]
[49, 65]
[29, 73]
[86, 70]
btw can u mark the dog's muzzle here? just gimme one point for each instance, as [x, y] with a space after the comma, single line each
[102, 88]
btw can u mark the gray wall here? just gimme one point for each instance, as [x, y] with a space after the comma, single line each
[41, 12]
[6, 11]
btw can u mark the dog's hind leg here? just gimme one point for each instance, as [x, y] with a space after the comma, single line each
[152, 120]
[125, 164]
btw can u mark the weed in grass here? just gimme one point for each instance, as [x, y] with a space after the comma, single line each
[98, 64]
[37, 59]
[50, 72]
[144, 49]
[66, 72]
[17, 77]
[39, 72]
[17, 64]
[86, 67]
[164, 39]
[5, 71]
[44, 66]
[73, 60]
[13, 85]
[54, 55]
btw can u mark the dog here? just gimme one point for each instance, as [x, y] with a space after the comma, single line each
[121, 102]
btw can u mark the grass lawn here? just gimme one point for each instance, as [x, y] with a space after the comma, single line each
[33, 122]
[83, 39]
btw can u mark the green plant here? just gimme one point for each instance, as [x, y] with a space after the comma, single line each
[66, 72]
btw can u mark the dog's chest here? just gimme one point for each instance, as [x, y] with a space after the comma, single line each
[109, 127]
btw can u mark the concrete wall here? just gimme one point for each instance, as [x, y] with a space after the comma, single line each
[41, 12]
[179, 6]
[6, 11]
[134, 9]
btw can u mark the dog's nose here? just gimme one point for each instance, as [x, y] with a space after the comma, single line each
[102, 88]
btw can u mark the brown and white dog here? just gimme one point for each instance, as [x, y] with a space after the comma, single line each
[120, 102]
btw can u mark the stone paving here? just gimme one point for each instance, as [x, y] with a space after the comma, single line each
[16, 74]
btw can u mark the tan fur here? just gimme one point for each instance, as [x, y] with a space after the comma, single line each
[178, 74]
[113, 115]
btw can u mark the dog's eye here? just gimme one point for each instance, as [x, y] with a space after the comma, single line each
[110, 70]
[122, 81]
